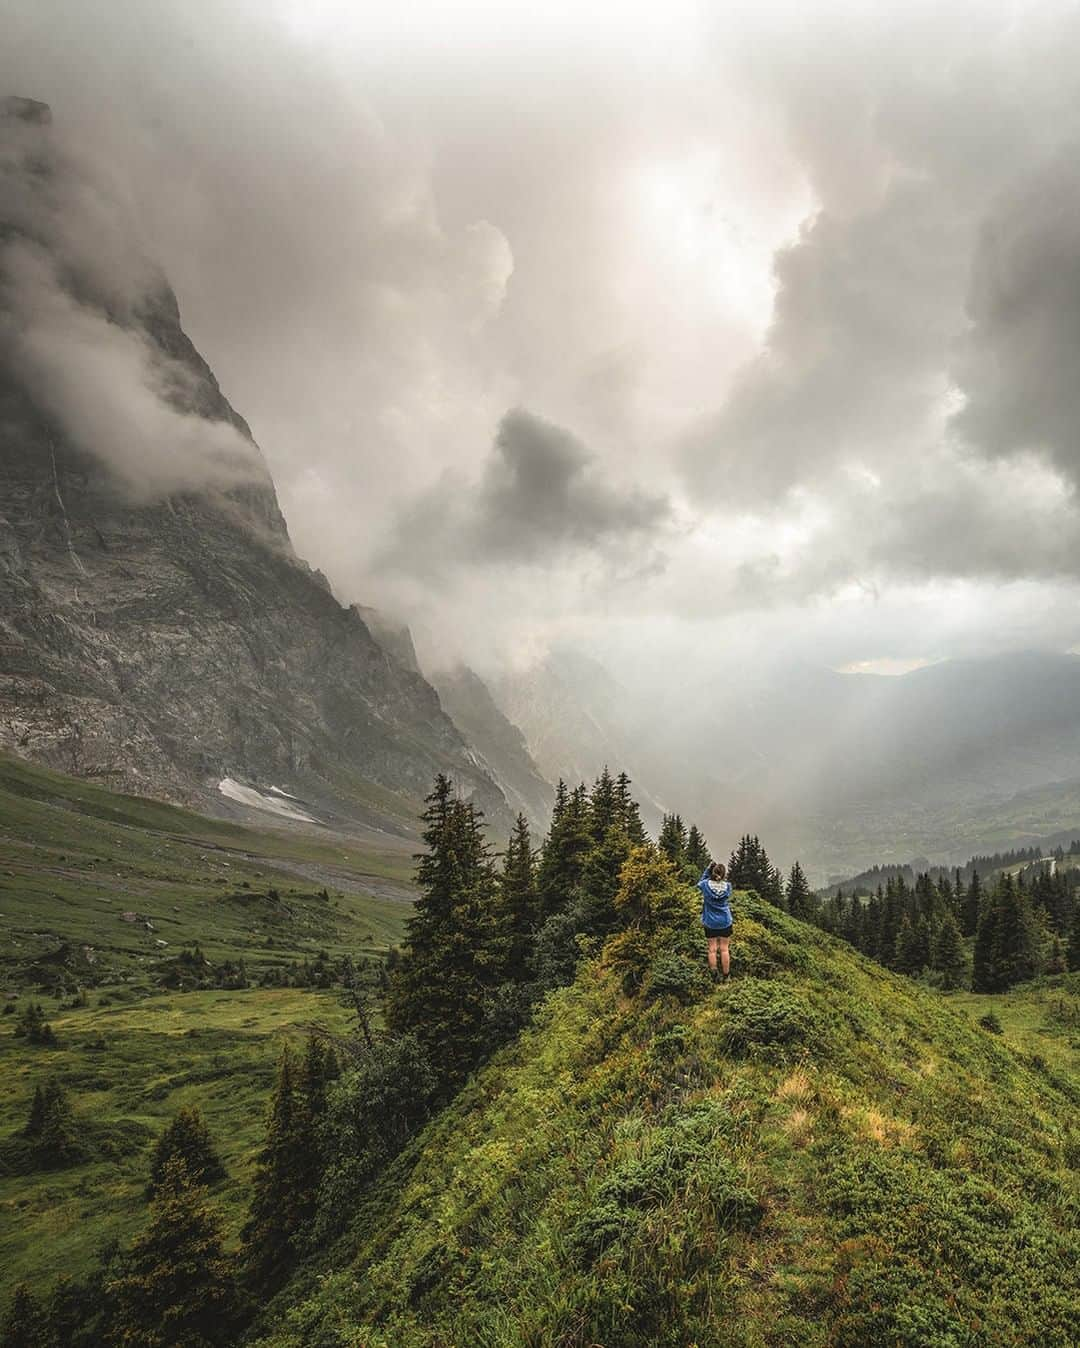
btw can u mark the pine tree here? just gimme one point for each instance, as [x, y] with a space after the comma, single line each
[519, 900]
[673, 839]
[280, 1195]
[983, 974]
[905, 958]
[601, 878]
[750, 868]
[628, 813]
[52, 1128]
[189, 1138]
[564, 854]
[971, 906]
[697, 850]
[1015, 939]
[948, 954]
[603, 806]
[1072, 956]
[175, 1288]
[25, 1326]
[456, 947]
[800, 902]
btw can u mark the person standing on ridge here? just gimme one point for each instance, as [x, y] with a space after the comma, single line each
[716, 914]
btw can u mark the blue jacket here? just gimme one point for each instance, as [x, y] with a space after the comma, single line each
[715, 908]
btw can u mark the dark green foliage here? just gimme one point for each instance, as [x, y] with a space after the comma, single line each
[189, 1138]
[456, 948]
[673, 974]
[697, 850]
[51, 1128]
[565, 852]
[281, 1193]
[175, 1287]
[557, 948]
[25, 1325]
[762, 1013]
[673, 839]
[628, 814]
[750, 868]
[800, 902]
[372, 1111]
[1073, 956]
[1005, 941]
[948, 956]
[990, 1022]
[971, 906]
[520, 901]
[32, 1026]
[600, 880]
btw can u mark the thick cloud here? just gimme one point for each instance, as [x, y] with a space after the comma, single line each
[75, 289]
[542, 500]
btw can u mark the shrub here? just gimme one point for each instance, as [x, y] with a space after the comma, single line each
[990, 1022]
[673, 975]
[760, 1013]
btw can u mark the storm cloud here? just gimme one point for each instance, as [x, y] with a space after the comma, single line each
[803, 282]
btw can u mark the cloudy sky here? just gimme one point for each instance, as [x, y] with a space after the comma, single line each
[651, 327]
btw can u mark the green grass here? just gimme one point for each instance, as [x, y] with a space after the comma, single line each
[819, 1153]
[128, 1069]
[74, 858]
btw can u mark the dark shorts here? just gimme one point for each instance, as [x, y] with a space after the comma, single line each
[718, 931]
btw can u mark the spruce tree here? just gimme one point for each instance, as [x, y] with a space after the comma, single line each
[175, 1287]
[280, 1194]
[971, 906]
[51, 1127]
[601, 878]
[1015, 947]
[983, 973]
[564, 854]
[628, 812]
[189, 1138]
[697, 850]
[948, 954]
[1072, 955]
[800, 902]
[603, 806]
[673, 839]
[905, 958]
[519, 900]
[456, 947]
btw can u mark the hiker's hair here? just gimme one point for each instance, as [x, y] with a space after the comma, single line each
[717, 870]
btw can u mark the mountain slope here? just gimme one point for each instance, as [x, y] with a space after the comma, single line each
[156, 628]
[819, 1153]
[500, 743]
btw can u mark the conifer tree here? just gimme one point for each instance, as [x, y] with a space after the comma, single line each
[800, 902]
[603, 806]
[905, 958]
[971, 906]
[189, 1138]
[456, 947]
[175, 1287]
[519, 900]
[51, 1127]
[1072, 955]
[280, 1193]
[948, 954]
[983, 973]
[673, 839]
[1015, 947]
[25, 1325]
[600, 880]
[565, 852]
[628, 813]
[750, 868]
[697, 850]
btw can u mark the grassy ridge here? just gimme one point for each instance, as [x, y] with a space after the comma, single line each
[818, 1153]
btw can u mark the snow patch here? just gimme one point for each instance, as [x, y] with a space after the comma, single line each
[247, 795]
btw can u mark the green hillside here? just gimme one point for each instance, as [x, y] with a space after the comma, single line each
[104, 902]
[819, 1152]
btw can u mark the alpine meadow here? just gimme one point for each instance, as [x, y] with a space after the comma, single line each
[539, 675]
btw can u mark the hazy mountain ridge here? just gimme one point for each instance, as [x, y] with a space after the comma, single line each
[169, 639]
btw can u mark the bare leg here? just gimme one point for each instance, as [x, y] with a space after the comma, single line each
[725, 958]
[712, 952]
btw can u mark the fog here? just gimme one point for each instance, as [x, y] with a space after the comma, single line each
[698, 337]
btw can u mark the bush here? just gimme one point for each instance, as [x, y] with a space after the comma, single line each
[990, 1022]
[673, 975]
[760, 1013]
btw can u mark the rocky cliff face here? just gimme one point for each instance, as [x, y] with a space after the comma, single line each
[499, 742]
[156, 627]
